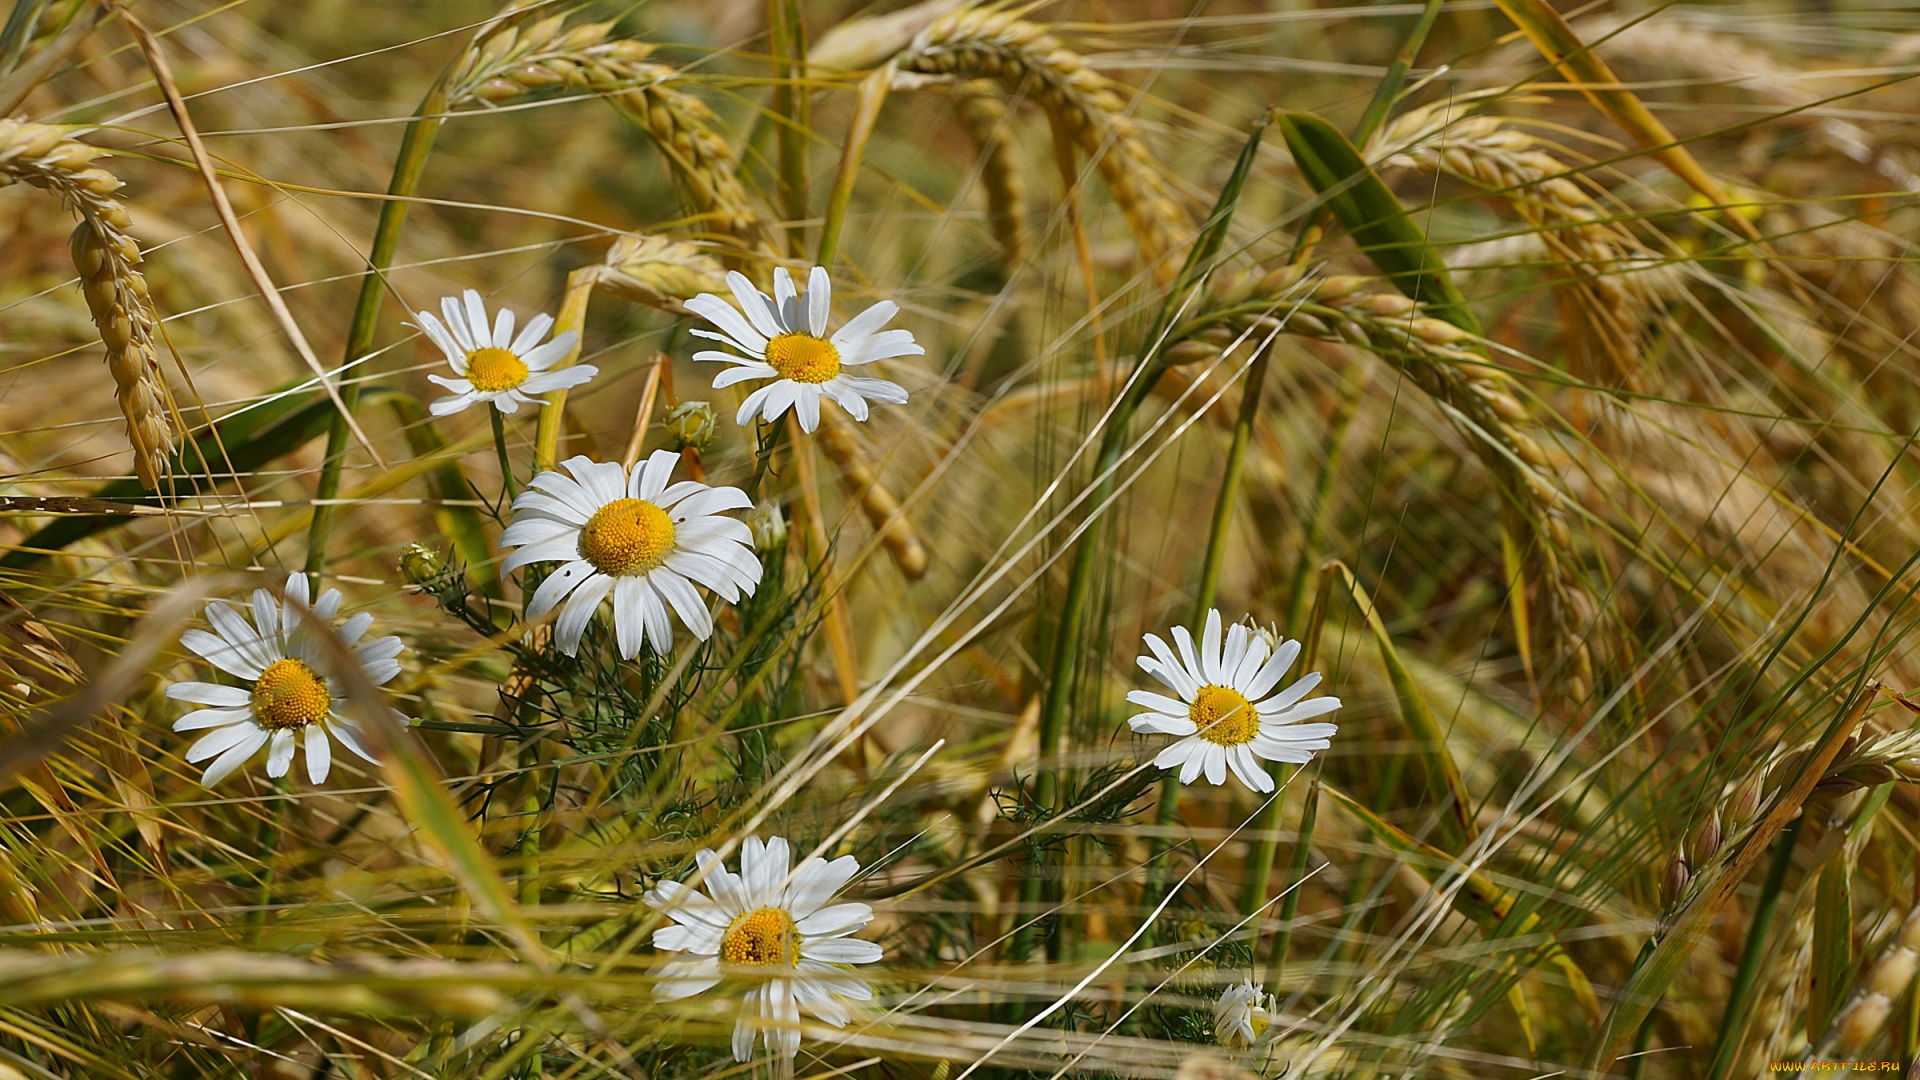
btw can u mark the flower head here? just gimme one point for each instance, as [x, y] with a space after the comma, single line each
[291, 700]
[1223, 718]
[1241, 1014]
[492, 363]
[785, 339]
[776, 935]
[635, 537]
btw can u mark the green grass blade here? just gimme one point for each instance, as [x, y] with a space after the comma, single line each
[1444, 787]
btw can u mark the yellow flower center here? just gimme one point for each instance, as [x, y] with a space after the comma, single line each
[1224, 716]
[763, 937]
[290, 696]
[492, 370]
[626, 536]
[803, 358]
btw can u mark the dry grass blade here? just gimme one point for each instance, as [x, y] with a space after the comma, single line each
[269, 292]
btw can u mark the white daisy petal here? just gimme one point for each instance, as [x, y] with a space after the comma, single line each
[201, 719]
[559, 585]
[531, 334]
[319, 754]
[864, 325]
[201, 693]
[786, 301]
[819, 301]
[236, 756]
[737, 328]
[757, 306]
[457, 324]
[279, 753]
[572, 623]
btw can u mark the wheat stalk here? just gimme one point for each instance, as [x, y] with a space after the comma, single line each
[1604, 264]
[1029, 62]
[525, 57]
[107, 258]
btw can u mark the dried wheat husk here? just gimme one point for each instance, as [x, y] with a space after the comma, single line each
[107, 257]
[1028, 62]
[1865, 1013]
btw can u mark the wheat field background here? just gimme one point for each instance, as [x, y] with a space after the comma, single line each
[1549, 375]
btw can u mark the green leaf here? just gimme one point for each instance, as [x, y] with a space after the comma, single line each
[1365, 207]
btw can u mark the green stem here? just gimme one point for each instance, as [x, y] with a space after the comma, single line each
[787, 37]
[500, 448]
[411, 164]
[1733, 1018]
[1253, 885]
[1290, 905]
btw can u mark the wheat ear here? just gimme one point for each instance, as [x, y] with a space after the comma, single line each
[107, 258]
[1603, 264]
[1027, 61]
[1865, 1013]
[985, 118]
[658, 272]
[527, 56]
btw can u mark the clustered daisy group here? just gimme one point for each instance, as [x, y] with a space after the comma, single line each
[774, 933]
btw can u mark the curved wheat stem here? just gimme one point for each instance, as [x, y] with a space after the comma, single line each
[524, 57]
[107, 257]
[1027, 61]
[1478, 398]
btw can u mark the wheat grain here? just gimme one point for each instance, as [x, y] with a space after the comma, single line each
[1029, 62]
[107, 258]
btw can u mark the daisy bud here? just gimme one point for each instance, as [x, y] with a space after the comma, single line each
[769, 526]
[691, 425]
[420, 564]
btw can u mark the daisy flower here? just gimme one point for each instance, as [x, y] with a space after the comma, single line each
[493, 364]
[291, 701]
[1241, 1014]
[1223, 718]
[786, 340]
[776, 934]
[635, 537]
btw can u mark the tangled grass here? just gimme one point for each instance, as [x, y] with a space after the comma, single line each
[1567, 424]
